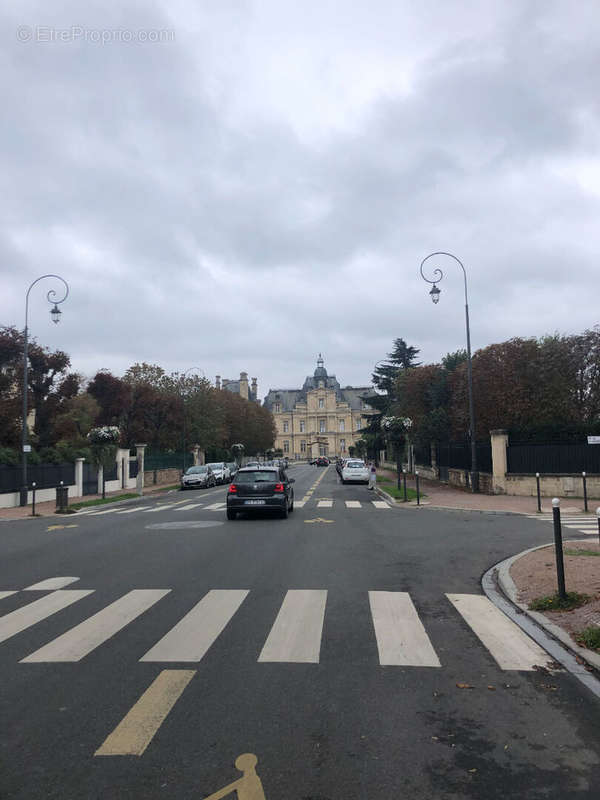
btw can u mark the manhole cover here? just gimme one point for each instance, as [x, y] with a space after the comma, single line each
[183, 526]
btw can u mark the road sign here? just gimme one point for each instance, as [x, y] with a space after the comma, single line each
[27, 448]
[593, 439]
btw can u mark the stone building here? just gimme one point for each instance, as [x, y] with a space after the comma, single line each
[241, 387]
[321, 418]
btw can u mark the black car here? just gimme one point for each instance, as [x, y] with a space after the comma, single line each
[258, 489]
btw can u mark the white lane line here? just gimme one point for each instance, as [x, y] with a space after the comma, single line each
[510, 647]
[162, 507]
[139, 726]
[25, 617]
[188, 507]
[379, 503]
[7, 593]
[216, 507]
[296, 633]
[50, 584]
[94, 631]
[106, 511]
[325, 504]
[401, 637]
[195, 633]
[299, 503]
[131, 510]
[353, 504]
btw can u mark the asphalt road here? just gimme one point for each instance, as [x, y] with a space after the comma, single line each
[265, 640]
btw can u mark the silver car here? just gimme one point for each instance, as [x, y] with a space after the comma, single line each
[200, 477]
[221, 471]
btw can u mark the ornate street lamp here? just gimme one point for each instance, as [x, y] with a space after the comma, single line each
[435, 296]
[55, 313]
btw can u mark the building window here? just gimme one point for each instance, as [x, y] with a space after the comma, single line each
[358, 424]
[342, 425]
[322, 450]
[343, 445]
[286, 427]
[302, 426]
[277, 408]
[321, 402]
[303, 446]
[286, 446]
[321, 426]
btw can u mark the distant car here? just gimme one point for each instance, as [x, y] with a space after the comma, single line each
[260, 488]
[322, 461]
[355, 470]
[220, 471]
[200, 477]
[252, 464]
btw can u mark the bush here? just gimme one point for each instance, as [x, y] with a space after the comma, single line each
[589, 637]
[9, 456]
[554, 603]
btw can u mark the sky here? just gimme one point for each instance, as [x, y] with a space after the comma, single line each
[233, 185]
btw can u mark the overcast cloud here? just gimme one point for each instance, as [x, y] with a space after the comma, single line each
[263, 183]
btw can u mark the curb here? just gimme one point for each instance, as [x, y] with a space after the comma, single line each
[399, 503]
[499, 587]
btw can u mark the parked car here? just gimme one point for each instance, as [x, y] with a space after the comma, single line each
[220, 471]
[355, 470]
[233, 468]
[260, 488]
[200, 477]
[253, 464]
[322, 461]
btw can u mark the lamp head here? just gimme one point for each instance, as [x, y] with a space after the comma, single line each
[435, 294]
[55, 314]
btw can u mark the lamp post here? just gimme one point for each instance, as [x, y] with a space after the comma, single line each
[435, 297]
[183, 376]
[55, 313]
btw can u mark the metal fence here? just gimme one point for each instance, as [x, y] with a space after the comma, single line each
[158, 460]
[422, 455]
[457, 455]
[45, 476]
[557, 459]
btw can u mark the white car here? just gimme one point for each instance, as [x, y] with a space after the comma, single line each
[221, 471]
[355, 470]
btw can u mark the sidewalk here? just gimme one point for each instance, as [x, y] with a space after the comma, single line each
[440, 495]
[48, 508]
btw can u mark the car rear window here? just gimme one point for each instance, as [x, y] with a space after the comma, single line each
[354, 464]
[260, 476]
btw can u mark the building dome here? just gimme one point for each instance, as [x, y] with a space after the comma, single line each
[320, 373]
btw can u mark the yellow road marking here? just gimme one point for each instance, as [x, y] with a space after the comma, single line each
[138, 727]
[248, 787]
[60, 527]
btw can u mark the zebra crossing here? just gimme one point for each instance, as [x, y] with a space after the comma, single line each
[586, 524]
[295, 635]
[220, 506]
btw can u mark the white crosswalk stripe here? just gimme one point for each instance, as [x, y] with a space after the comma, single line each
[188, 507]
[94, 631]
[195, 633]
[295, 635]
[353, 504]
[131, 510]
[162, 507]
[380, 504]
[49, 584]
[23, 618]
[325, 504]
[215, 507]
[588, 525]
[509, 645]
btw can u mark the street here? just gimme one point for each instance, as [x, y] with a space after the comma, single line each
[341, 646]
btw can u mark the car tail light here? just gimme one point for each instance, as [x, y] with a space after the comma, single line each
[232, 488]
[279, 487]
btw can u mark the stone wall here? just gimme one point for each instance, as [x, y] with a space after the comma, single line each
[551, 485]
[163, 476]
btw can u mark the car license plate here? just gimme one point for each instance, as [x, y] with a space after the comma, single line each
[254, 502]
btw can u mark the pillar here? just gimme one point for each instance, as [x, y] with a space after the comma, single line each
[140, 450]
[196, 454]
[79, 477]
[244, 385]
[499, 461]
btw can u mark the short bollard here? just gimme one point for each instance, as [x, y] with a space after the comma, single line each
[33, 499]
[417, 484]
[585, 502]
[558, 549]
[598, 516]
[539, 496]
[404, 483]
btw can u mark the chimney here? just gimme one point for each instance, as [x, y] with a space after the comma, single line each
[254, 390]
[244, 385]
[218, 381]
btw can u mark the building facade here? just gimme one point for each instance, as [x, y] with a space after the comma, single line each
[241, 386]
[321, 418]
